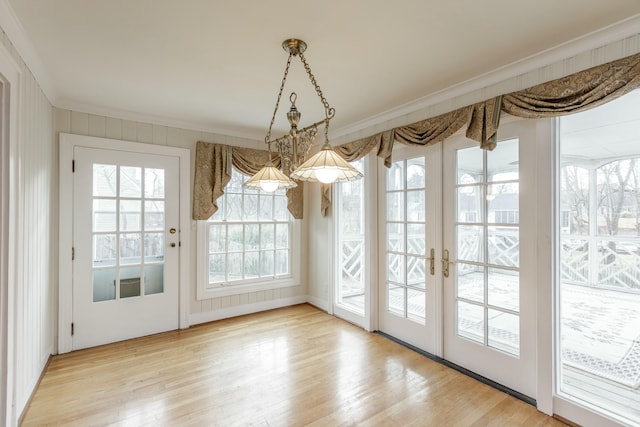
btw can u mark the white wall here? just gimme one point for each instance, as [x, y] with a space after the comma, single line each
[36, 263]
[200, 310]
[319, 261]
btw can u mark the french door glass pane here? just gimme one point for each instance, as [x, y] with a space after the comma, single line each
[488, 246]
[470, 203]
[504, 331]
[396, 299]
[598, 358]
[406, 239]
[470, 282]
[470, 321]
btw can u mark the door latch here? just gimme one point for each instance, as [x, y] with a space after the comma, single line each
[446, 263]
[432, 261]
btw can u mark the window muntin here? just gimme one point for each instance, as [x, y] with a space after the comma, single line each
[249, 238]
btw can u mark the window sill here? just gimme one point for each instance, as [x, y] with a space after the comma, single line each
[246, 288]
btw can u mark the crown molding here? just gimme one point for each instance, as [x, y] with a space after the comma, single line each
[12, 26]
[599, 38]
[116, 113]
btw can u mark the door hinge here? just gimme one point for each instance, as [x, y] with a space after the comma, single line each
[73, 165]
[72, 328]
[73, 254]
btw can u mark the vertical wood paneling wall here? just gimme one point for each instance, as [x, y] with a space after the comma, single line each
[36, 273]
[73, 122]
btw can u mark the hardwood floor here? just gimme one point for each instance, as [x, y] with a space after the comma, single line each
[289, 367]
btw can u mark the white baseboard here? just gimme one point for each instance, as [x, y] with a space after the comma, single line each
[224, 313]
[318, 303]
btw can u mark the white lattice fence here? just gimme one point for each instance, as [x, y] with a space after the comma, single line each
[351, 258]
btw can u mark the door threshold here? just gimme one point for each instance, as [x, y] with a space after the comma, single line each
[462, 370]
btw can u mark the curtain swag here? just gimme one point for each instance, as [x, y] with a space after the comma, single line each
[213, 173]
[571, 94]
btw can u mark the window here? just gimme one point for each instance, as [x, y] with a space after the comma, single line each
[350, 236]
[599, 258]
[248, 244]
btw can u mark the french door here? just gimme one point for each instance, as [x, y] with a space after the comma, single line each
[125, 244]
[489, 257]
[409, 216]
[455, 279]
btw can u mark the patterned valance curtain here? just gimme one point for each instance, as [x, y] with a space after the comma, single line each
[213, 173]
[574, 93]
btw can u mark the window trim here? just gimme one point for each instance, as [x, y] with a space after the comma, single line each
[204, 292]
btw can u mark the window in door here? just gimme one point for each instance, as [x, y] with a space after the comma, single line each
[488, 247]
[405, 237]
[128, 231]
[599, 258]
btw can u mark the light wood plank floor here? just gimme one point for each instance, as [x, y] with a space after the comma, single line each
[289, 367]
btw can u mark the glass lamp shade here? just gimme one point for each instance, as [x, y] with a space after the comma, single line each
[269, 179]
[326, 166]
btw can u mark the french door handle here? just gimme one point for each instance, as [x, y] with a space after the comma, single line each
[432, 261]
[445, 263]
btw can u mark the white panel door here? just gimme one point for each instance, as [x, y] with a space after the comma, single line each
[409, 214]
[489, 235]
[126, 245]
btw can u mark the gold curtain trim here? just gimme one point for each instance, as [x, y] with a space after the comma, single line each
[213, 173]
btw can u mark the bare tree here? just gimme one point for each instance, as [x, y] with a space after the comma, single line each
[576, 195]
[613, 180]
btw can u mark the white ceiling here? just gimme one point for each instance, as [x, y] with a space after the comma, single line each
[217, 65]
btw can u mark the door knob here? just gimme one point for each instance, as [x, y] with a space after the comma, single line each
[173, 245]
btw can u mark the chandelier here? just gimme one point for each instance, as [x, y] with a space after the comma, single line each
[326, 166]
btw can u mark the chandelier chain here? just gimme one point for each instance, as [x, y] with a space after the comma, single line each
[307, 68]
[275, 110]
